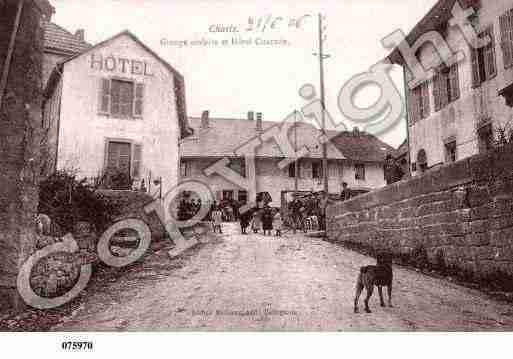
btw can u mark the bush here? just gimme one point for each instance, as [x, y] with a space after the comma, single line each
[68, 201]
[115, 179]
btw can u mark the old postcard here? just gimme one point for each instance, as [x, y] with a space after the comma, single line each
[277, 166]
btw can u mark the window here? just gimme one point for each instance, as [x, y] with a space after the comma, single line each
[124, 157]
[243, 196]
[446, 86]
[228, 195]
[118, 156]
[484, 66]
[359, 172]
[506, 24]
[120, 98]
[185, 168]
[485, 138]
[422, 162]
[292, 170]
[316, 170]
[418, 102]
[450, 151]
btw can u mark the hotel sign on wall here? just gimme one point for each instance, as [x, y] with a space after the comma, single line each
[120, 64]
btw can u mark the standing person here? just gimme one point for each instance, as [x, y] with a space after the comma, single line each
[229, 212]
[346, 192]
[256, 223]
[244, 219]
[217, 219]
[236, 210]
[296, 209]
[267, 220]
[277, 223]
[393, 172]
[323, 204]
[213, 206]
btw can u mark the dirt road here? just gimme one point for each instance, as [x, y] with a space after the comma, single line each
[293, 283]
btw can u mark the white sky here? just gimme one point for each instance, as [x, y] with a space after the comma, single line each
[232, 81]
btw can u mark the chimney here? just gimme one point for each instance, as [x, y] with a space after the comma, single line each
[80, 34]
[259, 121]
[205, 119]
[251, 115]
[356, 131]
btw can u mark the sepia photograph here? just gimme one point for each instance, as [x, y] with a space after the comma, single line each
[206, 166]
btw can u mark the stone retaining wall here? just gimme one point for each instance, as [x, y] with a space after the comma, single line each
[461, 213]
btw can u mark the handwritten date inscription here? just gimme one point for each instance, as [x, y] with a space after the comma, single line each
[263, 23]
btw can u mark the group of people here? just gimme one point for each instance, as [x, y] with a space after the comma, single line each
[311, 205]
[229, 209]
[188, 208]
[266, 219]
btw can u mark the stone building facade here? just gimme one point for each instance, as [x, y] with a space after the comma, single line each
[117, 105]
[21, 42]
[353, 157]
[458, 112]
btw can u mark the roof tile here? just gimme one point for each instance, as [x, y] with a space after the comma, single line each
[58, 39]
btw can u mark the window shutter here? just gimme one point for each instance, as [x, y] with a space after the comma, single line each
[444, 95]
[413, 105]
[183, 169]
[136, 161]
[112, 155]
[104, 97]
[409, 105]
[455, 82]
[476, 77]
[489, 55]
[506, 25]
[424, 90]
[138, 99]
[436, 91]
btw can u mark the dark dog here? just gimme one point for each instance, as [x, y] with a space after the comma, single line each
[379, 275]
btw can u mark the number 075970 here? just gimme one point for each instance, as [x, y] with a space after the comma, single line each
[77, 345]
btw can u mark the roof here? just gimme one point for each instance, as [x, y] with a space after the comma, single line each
[61, 41]
[434, 20]
[361, 146]
[179, 79]
[136, 39]
[224, 136]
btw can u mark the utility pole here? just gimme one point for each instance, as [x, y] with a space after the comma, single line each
[296, 164]
[322, 56]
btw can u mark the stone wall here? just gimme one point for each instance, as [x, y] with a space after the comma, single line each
[20, 127]
[462, 212]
